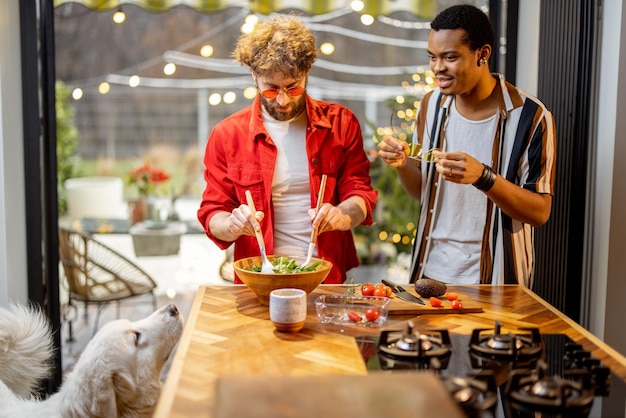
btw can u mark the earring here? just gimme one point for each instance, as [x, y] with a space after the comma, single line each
[483, 61]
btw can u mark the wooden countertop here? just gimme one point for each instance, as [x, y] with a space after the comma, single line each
[228, 333]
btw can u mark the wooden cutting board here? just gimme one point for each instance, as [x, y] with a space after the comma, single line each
[374, 396]
[401, 307]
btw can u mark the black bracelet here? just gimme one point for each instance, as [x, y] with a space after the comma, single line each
[486, 180]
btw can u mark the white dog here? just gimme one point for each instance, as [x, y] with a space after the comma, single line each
[118, 374]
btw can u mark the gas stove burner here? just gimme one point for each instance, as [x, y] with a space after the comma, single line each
[507, 347]
[412, 345]
[579, 361]
[474, 394]
[563, 382]
[533, 389]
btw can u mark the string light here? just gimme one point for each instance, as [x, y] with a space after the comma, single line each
[134, 81]
[215, 99]
[249, 93]
[327, 48]
[77, 93]
[230, 97]
[104, 87]
[206, 51]
[357, 5]
[119, 16]
[249, 22]
[169, 68]
[367, 20]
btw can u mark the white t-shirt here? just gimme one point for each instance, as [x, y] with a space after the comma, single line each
[291, 194]
[456, 239]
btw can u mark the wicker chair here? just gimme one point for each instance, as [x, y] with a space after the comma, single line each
[97, 274]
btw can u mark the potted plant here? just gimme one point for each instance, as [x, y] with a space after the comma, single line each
[146, 179]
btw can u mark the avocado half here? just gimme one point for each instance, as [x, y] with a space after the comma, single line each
[429, 287]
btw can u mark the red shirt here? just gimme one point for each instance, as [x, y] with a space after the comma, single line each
[240, 156]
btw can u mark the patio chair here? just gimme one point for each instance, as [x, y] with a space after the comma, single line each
[97, 274]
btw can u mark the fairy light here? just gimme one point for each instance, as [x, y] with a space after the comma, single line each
[249, 93]
[104, 87]
[251, 19]
[119, 16]
[206, 51]
[215, 99]
[327, 48]
[230, 97]
[134, 81]
[357, 5]
[77, 93]
[367, 20]
[169, 68]
[249, 22]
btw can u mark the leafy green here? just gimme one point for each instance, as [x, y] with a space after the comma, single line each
[285, 265]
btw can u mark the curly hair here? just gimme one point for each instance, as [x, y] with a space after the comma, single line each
[282, 44]
[469, 18]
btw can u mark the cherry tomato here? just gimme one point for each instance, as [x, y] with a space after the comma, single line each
[372, 314]
[355, 317]
[380, 291]
[456, 304]
[367, 289]
[434, 302]
[452, 295]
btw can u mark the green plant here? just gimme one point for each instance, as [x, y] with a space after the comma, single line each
[395, 217]
[397, 214]
[67, 141]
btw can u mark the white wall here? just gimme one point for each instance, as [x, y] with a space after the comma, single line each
[609, 234]
[528, 47]
[13, 269]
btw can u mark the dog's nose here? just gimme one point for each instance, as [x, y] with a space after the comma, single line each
[172, 309]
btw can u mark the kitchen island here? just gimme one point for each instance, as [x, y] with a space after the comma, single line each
[228, 333]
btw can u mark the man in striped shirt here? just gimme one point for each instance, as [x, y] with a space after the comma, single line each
[490, 179]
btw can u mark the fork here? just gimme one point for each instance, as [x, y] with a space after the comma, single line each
[266, 266]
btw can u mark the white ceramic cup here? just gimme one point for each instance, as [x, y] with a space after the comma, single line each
[288, 309]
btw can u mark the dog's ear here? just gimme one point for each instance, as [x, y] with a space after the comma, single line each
[124, 386]
[103, 402]
[118, 391]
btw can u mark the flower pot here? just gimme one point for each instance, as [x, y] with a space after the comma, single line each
[137, 210]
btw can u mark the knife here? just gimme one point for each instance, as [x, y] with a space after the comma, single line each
[401, 293]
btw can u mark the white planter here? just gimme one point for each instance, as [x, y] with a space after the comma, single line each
[96, 197]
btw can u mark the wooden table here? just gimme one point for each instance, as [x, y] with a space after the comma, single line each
[228, 333]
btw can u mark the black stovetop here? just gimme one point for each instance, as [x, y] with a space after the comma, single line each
[499, 385]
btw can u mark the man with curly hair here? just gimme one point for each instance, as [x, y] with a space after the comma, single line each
[278, 148]
[492, 178]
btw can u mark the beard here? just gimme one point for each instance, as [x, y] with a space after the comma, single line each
[297, 107]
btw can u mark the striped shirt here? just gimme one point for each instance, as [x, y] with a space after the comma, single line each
[524, 153]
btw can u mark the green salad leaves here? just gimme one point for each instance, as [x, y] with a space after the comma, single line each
[285, 265]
